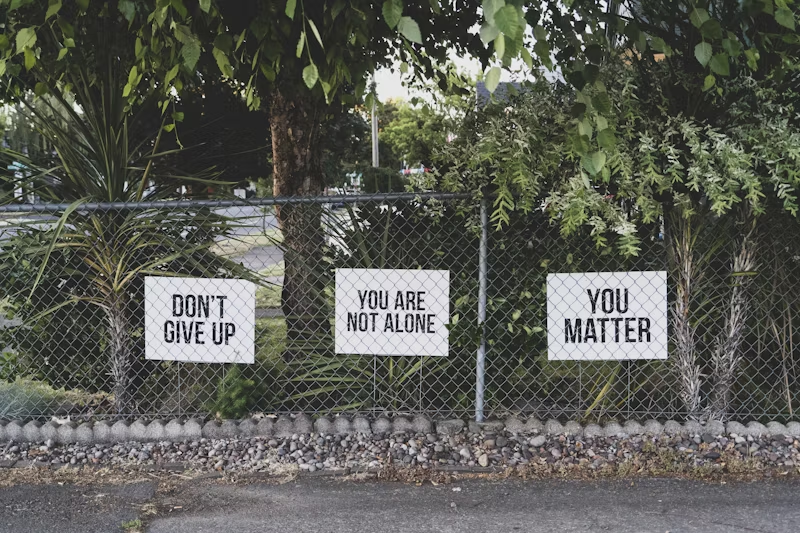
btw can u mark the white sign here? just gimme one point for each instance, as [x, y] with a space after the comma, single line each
[615, 316]
[392, 312]
[199, 320]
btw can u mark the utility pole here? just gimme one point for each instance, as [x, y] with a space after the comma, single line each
[375, 154]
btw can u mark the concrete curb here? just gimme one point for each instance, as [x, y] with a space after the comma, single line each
[177, 430]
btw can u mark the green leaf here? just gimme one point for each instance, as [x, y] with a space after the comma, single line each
[30, 59]
[709, 82]
[507, 20]
[300, 44]
[240, 39]
[702, 52]
[205, 5]
[222, 62]
[40, 88]
[310, 75]
[62, 53]
[132, 75]
[171, 75]
[490, 7]
[26, 38]
[191, 53]
[542, 49]
[711, 29]
[53, 7]
[2, 66]
[403, 68]
[752, 56]
[720, 64]
[409, 29]
[698, 17]
[732, 46]
[539, 33]
[127, 8]
[585, 128]
[291, 7]
[392, 11]
[489, 33]
[602, 102]
[169, 127]
[316, 33]
[83, 4]
[178, 116]
[606, 139]
[594, 162]
[785, 17]
[492, 79]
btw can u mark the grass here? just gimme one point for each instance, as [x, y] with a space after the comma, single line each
[270, 338]
[132, 526]
[269, 296]
[238, 246]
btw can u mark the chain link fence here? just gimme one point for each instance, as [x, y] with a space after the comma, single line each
[74, 335]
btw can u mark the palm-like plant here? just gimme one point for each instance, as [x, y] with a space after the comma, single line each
[100, 256]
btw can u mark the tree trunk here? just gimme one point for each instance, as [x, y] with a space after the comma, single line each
[681, 238]
[120, 342]
[295, 128]
[727, 353]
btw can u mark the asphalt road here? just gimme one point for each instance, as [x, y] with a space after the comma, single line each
[328, 505]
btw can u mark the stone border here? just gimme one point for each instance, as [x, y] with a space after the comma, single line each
[176, 430]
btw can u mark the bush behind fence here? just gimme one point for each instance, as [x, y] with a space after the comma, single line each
[71, 291]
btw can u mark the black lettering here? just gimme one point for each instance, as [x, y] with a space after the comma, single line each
[629, 330]
[190, 305]
[608, 298]
[590, 331]
[198, 332]
[352, 321]
[169, 331]
[216, 335]
[375, 315]
[202, 306]
[602, 328]
[362, 295]
[230, 330]
[363, 321]
[411, 301]
[398, 301]
[372, 300]
[644, 328]
[389, 325]
[222, 306]
[177, 310]
[408, 323]
[429, 328]
[617, 322]
[570, 334]
[619, 301]
[186, 331]
[593, 299]
[419, 324]
[421, 301]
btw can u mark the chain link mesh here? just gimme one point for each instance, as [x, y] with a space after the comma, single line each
[73, 326]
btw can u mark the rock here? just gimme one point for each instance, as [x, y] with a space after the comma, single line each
[421, 424]
[248, 427]
[84, 434]
[323, 426]
[553, 427]
[633, 427]
[573, 429]
[342, 425]
[735, 428]
[712, 455]
[757, 429]
[491, 426]
[592, 431]
[229, 429]
[402, 424]
[514, 425]
[265, 427]
[672, 428]
[173, 431]
[155, 430]
[793, 429]
[449, 427]
[48, 432]
[483, 460]
[361, 425]
[303, 424]
[66, 433]
[776, 428]
[613, 429]
[715, 427]
[211, 429]
[501, 441]
[284, 427]
[465, 453]
[555, 452]
[533, 425]
[13, 431]
[120, 431]
[30, 431]
[382, 425]
[653, 427]
[707, 438]
[538, 441]
[692, 427]
[102, 431]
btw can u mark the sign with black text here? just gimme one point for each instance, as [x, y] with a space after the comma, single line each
[618, 316]
[392, 312]
[199, 320]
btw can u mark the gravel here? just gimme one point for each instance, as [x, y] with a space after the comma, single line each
[496, 449]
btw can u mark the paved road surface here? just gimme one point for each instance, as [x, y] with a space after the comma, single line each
[327, 505]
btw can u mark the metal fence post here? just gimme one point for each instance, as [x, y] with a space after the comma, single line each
[483, 272]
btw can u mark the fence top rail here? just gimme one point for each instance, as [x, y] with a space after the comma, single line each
[251, 202]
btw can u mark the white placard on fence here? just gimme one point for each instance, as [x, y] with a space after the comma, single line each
[616, 316]
[392, 312]
[199, 320]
